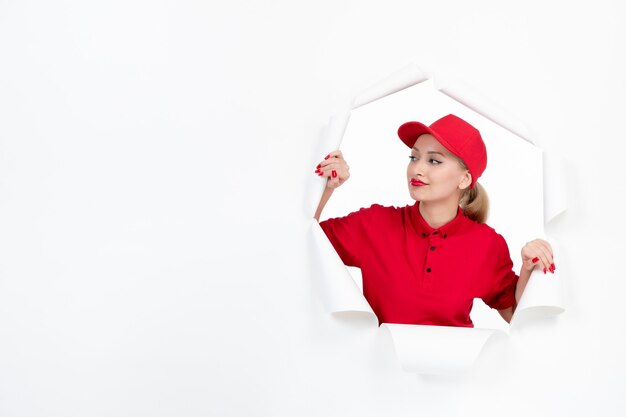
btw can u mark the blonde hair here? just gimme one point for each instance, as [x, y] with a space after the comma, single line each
[474, 201]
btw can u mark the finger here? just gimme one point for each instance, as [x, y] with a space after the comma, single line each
[328, 168]
[547, 250]
[534, 262]
[544, 244]
[323, 172]
[536, 255]
[334, 163]
[548, 254]
[545, 259]
[333, 159]
[334, 154]
[340, 173]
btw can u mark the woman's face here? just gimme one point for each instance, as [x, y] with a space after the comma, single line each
[435, 174]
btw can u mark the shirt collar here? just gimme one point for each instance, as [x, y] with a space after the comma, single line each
[444, 231]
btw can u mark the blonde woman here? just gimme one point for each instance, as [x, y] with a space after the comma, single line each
[425, 263]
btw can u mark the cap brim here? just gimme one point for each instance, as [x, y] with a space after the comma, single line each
[410, 131]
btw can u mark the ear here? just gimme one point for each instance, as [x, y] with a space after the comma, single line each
[466, 180]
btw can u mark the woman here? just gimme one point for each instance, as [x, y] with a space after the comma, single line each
[425, 263]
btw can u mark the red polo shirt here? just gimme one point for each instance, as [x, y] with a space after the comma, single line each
[415, 274]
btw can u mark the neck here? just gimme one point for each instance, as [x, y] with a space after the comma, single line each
[437, 215]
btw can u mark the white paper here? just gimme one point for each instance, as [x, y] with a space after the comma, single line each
[340, 291]
[331, 140]
[406, 77]
[438, 350]
[471, 99]
[337, 128]
[554, 186]
[542, 297]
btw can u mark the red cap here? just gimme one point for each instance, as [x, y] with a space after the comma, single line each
[457, 136]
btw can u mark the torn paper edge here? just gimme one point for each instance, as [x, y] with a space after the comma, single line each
[555, 198]
[438, 350]
[471, 99]
[340, 291]
[404, 78]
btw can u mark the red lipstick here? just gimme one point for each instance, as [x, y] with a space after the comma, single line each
[417, 183]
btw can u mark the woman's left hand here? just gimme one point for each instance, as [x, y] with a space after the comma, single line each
[538, 253]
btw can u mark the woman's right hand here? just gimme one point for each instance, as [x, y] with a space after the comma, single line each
[335, 168]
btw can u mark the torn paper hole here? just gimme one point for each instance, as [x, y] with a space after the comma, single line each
[370, 140]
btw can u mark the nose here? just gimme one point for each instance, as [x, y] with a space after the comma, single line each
[417, 168]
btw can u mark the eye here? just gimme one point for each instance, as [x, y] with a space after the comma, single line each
[413, 158]
[434, 162]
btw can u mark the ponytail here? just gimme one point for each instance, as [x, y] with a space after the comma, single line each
[475, 203]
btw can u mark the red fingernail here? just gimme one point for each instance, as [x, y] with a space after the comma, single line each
[535, 260]
[334, 173]
[320, 173]
[318, 166]
[544, 270]
[327, 156]
[553, 267]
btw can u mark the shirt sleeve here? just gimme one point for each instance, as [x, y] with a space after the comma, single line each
[346, 234]
[502, 294]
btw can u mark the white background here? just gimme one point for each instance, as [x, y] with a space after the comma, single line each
[153, 256]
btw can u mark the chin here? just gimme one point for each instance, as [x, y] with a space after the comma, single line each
[415, 196]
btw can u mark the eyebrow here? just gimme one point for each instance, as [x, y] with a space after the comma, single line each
[431, 152]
